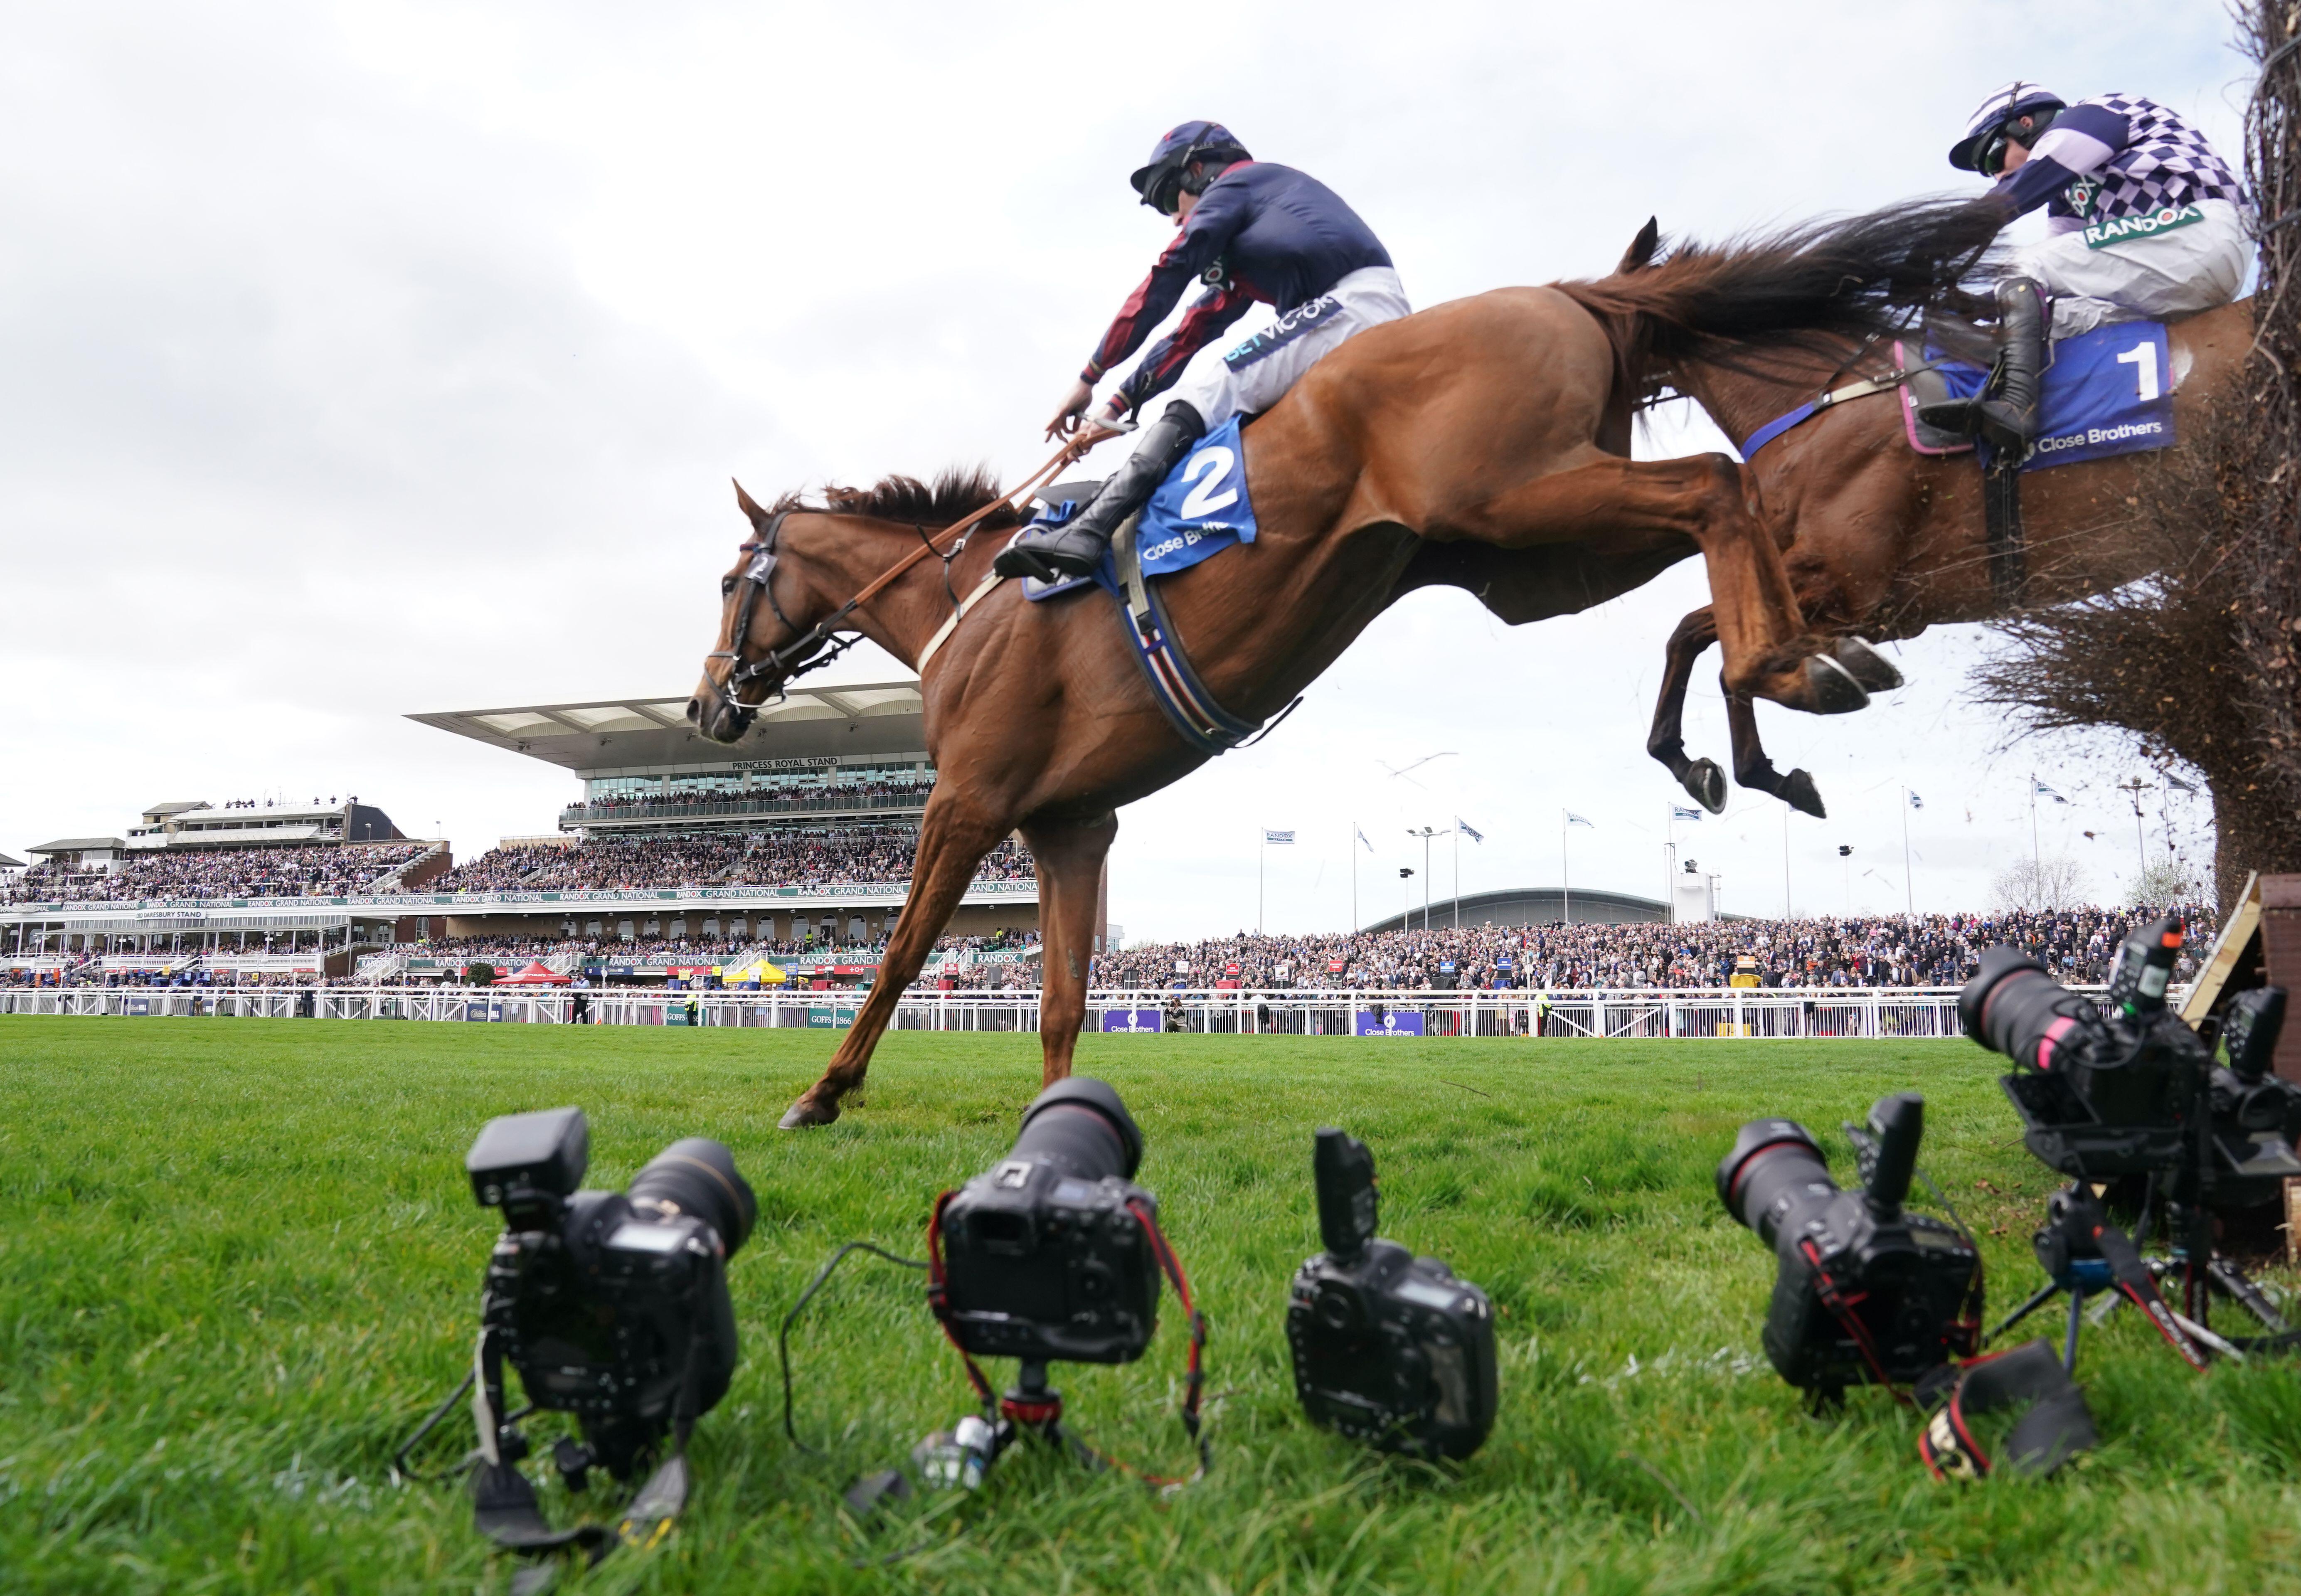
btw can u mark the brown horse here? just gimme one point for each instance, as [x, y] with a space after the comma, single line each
[1488, 435]
[1880, 541]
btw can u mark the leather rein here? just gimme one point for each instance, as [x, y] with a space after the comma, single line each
[817, 646]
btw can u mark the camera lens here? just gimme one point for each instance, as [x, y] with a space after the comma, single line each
[1081, 1126]
[697, 1176]
[1772, 1160]
[2012, 1007]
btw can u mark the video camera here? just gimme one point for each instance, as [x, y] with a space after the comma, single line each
[1864, 1291]
[1388, 1347]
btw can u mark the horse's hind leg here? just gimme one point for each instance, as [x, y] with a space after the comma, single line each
[1667, 740]
[1769, 651]
[1069, 858]
[1753, 770]
[952, 841]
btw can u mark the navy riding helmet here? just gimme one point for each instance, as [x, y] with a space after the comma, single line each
[1167, 175]
[1983, 147]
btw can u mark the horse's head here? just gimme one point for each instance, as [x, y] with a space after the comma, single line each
[771, 626]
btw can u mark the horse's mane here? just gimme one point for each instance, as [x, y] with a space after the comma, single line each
[958, 491]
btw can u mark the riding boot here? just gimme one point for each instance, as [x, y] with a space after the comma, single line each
[2005, 412]
[1074, 549]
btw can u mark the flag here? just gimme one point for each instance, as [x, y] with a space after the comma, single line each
[1573, 819]
[1680, 812]
[1916, 802]
[1468, 829]
[1362, 837]
[2045, 791]
[1278, 839]
[2178, 785]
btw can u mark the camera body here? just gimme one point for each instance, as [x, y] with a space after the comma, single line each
[611, 1306]
[1045, 1256]
[1864, 1291]
[1388, 1347]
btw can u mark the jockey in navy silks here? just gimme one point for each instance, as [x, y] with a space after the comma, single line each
[1248, 230]
[2142, 220]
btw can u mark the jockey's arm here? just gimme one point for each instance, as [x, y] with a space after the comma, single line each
[1209, 315]
[2081, 141]
[1206, 229]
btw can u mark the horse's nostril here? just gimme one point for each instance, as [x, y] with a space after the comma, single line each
[695, 710]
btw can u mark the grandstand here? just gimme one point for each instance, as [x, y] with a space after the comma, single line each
[800, 835]
[248, 887]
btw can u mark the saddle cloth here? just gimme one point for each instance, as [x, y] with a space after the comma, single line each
[1200, 510]
[2107, 392]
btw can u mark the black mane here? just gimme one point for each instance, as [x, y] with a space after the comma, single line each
[956, 493]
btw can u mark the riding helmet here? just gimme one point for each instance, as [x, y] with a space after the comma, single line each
[1164, 175]
[1989, 118]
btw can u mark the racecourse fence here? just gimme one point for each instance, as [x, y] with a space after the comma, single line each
[1849, 1013]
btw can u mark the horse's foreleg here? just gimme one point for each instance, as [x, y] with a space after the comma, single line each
[1069, 858]
[953, 842]
[1667, 740]
[1753, 770]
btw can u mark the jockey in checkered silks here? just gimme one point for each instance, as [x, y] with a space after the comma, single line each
[1248, 230]
[2142, 220]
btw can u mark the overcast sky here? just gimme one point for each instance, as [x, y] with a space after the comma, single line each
[357, 360]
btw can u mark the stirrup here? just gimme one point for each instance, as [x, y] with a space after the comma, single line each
[1951, 416]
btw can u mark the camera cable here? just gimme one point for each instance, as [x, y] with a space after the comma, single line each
[822, 1277]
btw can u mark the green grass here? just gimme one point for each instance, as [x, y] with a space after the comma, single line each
[238, 1259]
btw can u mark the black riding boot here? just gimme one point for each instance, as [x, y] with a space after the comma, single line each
[1075, 549]
[2006, 414]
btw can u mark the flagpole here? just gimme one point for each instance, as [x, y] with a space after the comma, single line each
[1565, 876]
[1670, 865]
[1785, 863]
[1261, 852]
[1909, 888]
[1354, 878]
[1458, 873]
[2036, 856]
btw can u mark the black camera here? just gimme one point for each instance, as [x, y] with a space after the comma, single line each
[1388, 1347]
[2107, 1094]
[2099, 1095]
[1047, 1255]
[613, 1305]
[1864, 1291]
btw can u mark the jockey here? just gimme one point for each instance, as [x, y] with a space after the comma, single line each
[2142, 220]
[1250, 230]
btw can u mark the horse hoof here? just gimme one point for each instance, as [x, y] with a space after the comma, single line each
[1830, 688]
[1798, 791]
[804, 1114]
[1865, 664]
[1707, 783]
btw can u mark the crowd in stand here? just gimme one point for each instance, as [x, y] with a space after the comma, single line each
[788, 857]
[830, 793]
[315, 870]
[1884, 950]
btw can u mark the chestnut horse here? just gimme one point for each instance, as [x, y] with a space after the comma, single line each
[1489, 434]
[1880, 541]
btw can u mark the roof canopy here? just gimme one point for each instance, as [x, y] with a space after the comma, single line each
[643, 734]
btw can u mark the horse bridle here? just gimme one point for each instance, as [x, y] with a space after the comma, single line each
[810, 650]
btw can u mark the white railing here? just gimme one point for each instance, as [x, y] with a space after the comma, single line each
[1822, 1013]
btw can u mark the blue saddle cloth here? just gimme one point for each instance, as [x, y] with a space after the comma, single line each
[2107, 392]
[1200, 510]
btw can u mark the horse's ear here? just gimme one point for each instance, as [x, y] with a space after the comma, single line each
[748, 505]
[1640, 254]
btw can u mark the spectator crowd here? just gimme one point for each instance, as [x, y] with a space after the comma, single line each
[1884, 950]
[315, 870]
[788, 857]
[829, 795]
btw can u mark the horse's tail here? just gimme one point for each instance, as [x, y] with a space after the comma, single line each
[1852, 277]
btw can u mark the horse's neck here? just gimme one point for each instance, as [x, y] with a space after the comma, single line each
[901, 618]
[1743, 401]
